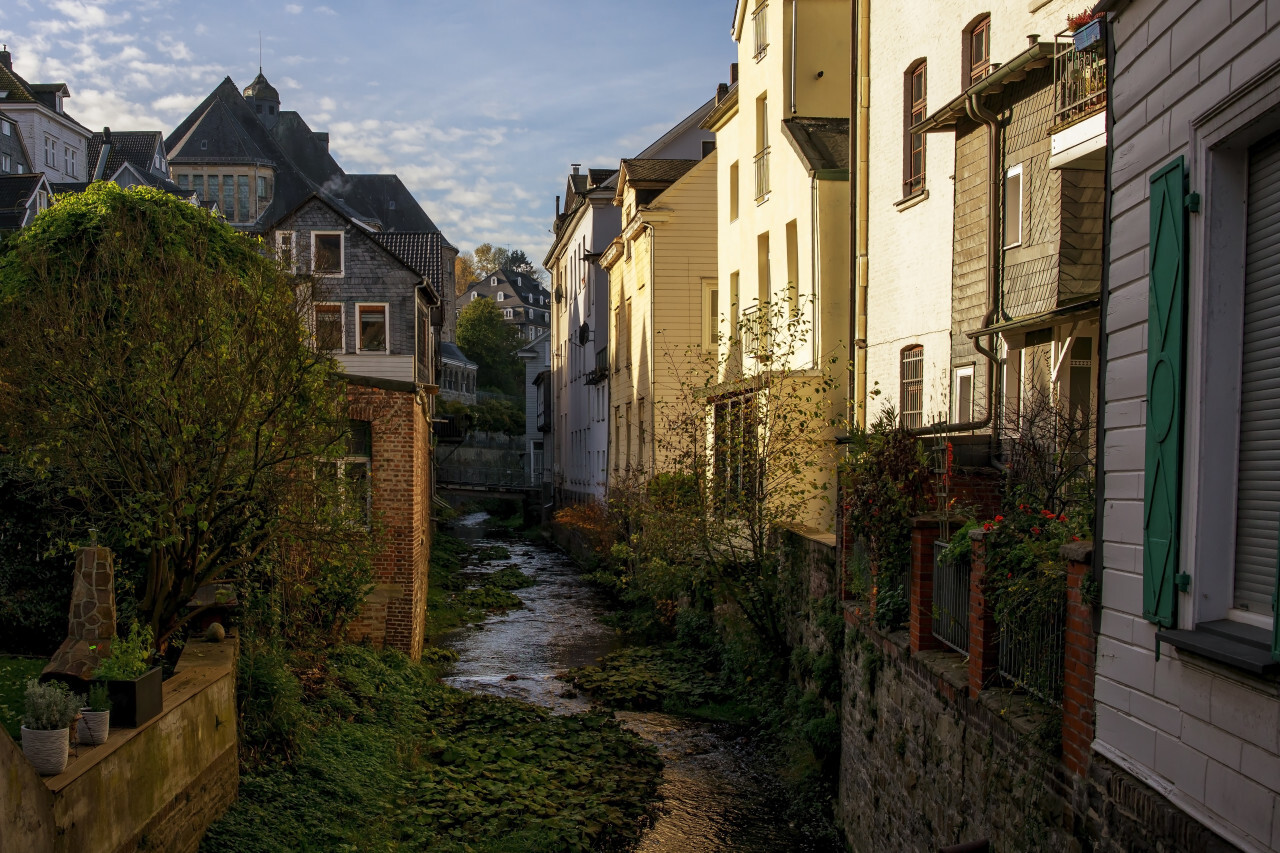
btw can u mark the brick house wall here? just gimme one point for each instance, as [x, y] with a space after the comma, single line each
[395, 613]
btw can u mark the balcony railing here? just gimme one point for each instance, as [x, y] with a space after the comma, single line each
[1079, 78]
[759, 20]
[950, 599]
[756, 342]
[762, 174]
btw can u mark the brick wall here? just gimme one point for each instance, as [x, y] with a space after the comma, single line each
[395, 613]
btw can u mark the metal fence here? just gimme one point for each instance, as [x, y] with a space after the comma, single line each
[1079, 79]
[762, 173]
[950, 599]
[1033, 649]
[514, 478]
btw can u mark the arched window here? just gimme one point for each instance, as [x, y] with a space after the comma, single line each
[913, 101]
[976, 51]
[911, 400]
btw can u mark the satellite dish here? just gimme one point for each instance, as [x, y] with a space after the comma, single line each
[584, 334]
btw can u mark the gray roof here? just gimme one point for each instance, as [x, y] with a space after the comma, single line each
[419, 250]
[657, 171]
[127, 146]
[822, 143]
[450, 352]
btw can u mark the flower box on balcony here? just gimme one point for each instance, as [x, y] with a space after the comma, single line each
[1088, 35]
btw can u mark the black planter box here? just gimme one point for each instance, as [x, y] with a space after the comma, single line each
[136, 701]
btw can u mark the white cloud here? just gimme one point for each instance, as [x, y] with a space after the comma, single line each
[293, 9]
[175, 49]
[325, 10]
[179, 104]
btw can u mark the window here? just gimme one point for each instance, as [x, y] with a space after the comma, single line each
[204, 145]
[373, 328]
[501, 296]
[69, 158]
[737, 474]
[733, 192]
[977, 50]
[353, 471]
[912, 397]
[197, 185]
[474, 295]
[184, 182]
[1013, 207]
[329, 327]
[326, 252]
[242, 195]
[793, 270]
[759, 23]
[6, 164]
[6, 128]
[963, 395]
[215, 189]
[506, 313]
[228, 197]
[262, 186]
[762, 148]
[284, 249]
[914, 100]
[50, 152]
[710, 314]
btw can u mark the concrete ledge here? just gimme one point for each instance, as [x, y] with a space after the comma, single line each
[166, 780]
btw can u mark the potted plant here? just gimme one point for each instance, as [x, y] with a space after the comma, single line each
[95, 717]
[50, 708]
[1085, 29]
[134, 686]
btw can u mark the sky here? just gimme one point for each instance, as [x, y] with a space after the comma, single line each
[479, 105]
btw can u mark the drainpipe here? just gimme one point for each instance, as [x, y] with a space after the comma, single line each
[814, 289]
[793, 56]
[653, 282]
[978, 113]
[859, 94]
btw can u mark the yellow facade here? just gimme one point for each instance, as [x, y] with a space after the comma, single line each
[783, 227]
[662, 272]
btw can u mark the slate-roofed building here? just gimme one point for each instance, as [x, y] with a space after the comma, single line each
[37, 109]
[21, 198]
[14, 157]
[524, 302]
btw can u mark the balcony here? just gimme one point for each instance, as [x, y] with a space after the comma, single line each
[601, 371]
[762, 174]
[759, 20]
[1079, 134]
[756, 338]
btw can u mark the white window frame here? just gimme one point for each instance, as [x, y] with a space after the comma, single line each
[293, 248]
[6, 164]
[386, 318]
[6, 128]
[1218, 169]
[51, 152]
[958, 374]
[501, 296]
[342, 252]
[315, 325]
[1022, 199]
[506, 313]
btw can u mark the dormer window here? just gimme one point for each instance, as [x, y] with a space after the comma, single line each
[271, 109]
[391, 205]
[501, 296]
[59, 102]
[204, 145]
[494, 282]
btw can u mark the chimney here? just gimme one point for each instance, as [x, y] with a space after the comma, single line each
[733, 73]
[100, 168]
[5, 59]
[576, 167]
[722, 92]
[323, 138]
[557, 207]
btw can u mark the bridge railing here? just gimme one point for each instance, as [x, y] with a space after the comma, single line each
[470, 475]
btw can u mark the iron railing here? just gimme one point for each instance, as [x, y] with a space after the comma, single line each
[756, 340]
[468, 475]
[1079, 79]
[762, 173]
[759, 21]
[1033, 650]
[950, 599]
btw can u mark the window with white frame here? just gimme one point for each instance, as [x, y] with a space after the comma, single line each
[327, 252]
[50, 152]
[330, 327]
[962, 395]
[911, 378]
[6, 128]
[1013, 207]
[372, 327]
[284, 249]
[69, 158]
[506, 313]
[6, 163]
[501, 296]
[352, 472]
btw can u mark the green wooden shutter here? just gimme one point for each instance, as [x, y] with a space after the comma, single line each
[1166, 342]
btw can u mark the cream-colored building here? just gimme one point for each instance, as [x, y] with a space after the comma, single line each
[662, 280]
[782, 134]
[953, 241]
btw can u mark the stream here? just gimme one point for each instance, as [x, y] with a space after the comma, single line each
[718, 790]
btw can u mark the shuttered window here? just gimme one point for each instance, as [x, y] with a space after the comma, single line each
[912, 379]
[1258, 487]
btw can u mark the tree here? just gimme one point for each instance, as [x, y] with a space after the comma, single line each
[464, 272]
[157, 363]
[492, 343]
[490, 259]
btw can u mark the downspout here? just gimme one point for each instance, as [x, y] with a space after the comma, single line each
[653, 283]
[1099, 465]
[978, 113]
[859, 94]
[793, 56]
[814, 289]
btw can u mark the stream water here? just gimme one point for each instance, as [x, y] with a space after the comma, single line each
[718, 790]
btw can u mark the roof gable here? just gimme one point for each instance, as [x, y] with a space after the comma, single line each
[137, 147]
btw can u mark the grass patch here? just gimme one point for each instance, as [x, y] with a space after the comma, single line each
[393, 759]
[644, 678]
[14, 673]
[454, 599]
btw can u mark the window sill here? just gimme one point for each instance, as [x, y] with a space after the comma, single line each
[1235, 644]
[911, 201]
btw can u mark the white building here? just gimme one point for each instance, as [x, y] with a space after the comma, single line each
[579, 384]
[1187, 697]
[56, 142]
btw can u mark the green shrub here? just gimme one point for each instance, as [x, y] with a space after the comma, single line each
[50, 706]
[130, 656]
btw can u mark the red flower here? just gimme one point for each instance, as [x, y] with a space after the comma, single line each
[1075, 538]
[1062, 518]
[999, 518]
[988, 526]
[1036, 531]
[1047, 513]
[1022, 507]
[1009, 576]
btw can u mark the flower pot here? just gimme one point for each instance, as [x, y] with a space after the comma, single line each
[135, 701]
[46, 749]
[1088, 35]
[93, 728]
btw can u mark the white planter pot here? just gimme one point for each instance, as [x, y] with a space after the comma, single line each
[46, 749]
[93, 728]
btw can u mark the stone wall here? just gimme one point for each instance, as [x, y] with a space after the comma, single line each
[153, 788]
